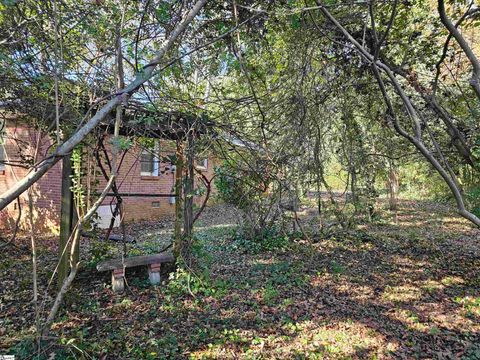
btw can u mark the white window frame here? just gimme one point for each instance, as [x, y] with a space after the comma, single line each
[156, 160]
[202, 164]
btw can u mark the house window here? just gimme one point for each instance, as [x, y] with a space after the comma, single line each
[202, 164]
[149, 160]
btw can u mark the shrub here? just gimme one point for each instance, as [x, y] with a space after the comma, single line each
[473, 198]
[251, 190]
[100, 250]
[269, 239]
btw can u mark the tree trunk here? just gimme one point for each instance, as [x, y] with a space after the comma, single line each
[66, 215]
[177, 242]
[393, 188]
[189, 188]
[78, 207]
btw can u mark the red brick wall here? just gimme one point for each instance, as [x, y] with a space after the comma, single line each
[47, 191]
[130, 180]
[20, 141]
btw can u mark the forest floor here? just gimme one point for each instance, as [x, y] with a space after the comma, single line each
[406, 290]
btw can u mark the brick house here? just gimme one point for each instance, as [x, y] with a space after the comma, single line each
[145, 180]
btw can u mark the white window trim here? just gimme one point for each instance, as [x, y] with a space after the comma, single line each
[156, 161]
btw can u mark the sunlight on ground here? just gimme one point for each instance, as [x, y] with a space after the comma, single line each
[431, 286]
[410, 319]
[218, 226]
[308, 339]
[404, 293]
[470, 306]
[452, 280]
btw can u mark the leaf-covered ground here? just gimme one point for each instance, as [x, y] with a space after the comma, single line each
[410, 290]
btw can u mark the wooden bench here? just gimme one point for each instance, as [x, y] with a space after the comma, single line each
[118, 268]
